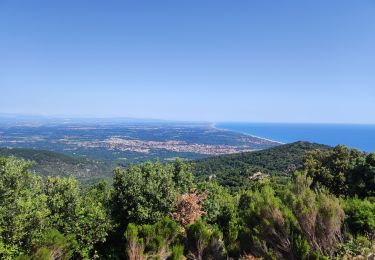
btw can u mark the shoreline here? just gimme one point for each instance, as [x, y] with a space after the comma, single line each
[213, 125]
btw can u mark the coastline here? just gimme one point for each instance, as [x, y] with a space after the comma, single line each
[213, 125]
[355, 136]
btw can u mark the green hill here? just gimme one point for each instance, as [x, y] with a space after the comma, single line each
[233, 170]
[230, 170]
[47, 163]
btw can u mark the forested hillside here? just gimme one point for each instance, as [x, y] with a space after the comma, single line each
[47, 163]
[325, 210]
[234, 169]
[230, 170]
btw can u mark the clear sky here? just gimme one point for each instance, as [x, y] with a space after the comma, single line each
[211, 60]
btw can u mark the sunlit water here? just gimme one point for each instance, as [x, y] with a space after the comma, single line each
[356, 136]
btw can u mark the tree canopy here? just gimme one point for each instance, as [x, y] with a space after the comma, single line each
[324, 210]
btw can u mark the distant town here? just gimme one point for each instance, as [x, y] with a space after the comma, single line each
[140, 146]
[132, 141]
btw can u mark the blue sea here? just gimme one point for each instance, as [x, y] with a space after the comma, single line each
[355, 136]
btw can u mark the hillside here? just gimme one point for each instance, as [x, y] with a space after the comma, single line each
[47, 163]
[158, 211]
[233, 170]
[230, 170]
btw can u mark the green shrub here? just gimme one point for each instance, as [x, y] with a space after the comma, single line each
[360, 216]
[177, 252]
[266, 225]
[147, 192]
[154, 240]
[204, 242]
[54, 245]
[221, 210]
[358, 246]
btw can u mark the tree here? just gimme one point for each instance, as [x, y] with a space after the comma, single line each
[77, 214]
[344, 171]
[23, 211]
[362, 178]
[360, 216]
[183, 176]
[63, 202]
[146, 193]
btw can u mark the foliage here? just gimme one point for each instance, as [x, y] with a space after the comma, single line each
[153, 241]
[362, 179]
[319, 215]
[221, 210]
[359, 247]
[147, 192]
[23, 211]
[234, 170]
[73, 213]
[266, 225]
[189, 208]
[343, 171]
[204, 242]
[53, 245]
[135, 245]
[156, 211]
[48, 163]
[63, 202]
[183, 176]
[177, 252]
[29, 209]
[360, 216]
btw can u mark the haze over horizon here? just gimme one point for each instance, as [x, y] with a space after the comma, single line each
[214, 61]
[25, 116]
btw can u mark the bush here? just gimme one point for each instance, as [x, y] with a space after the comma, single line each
[204, 242]
[152, 241]
[266, 225]
[360, 216]
[319, 215]
[53, 245]
[355, 247]
[148, 192]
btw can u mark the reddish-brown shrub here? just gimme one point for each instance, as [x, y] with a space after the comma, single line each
[189, 208]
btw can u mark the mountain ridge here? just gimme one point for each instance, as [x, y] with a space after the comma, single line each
[234, 169]
[230, 170]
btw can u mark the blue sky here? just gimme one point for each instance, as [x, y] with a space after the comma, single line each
[264, 61]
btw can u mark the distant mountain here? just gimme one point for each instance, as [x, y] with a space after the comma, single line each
[47, 163]
[234, 169]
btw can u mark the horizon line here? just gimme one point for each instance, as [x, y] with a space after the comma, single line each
[145, 119]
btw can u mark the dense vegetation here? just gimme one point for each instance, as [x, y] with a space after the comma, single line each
[229, 170]
[48, 163]
[234, 170]
[325, 210]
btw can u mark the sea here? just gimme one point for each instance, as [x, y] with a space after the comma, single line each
[359, 136]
